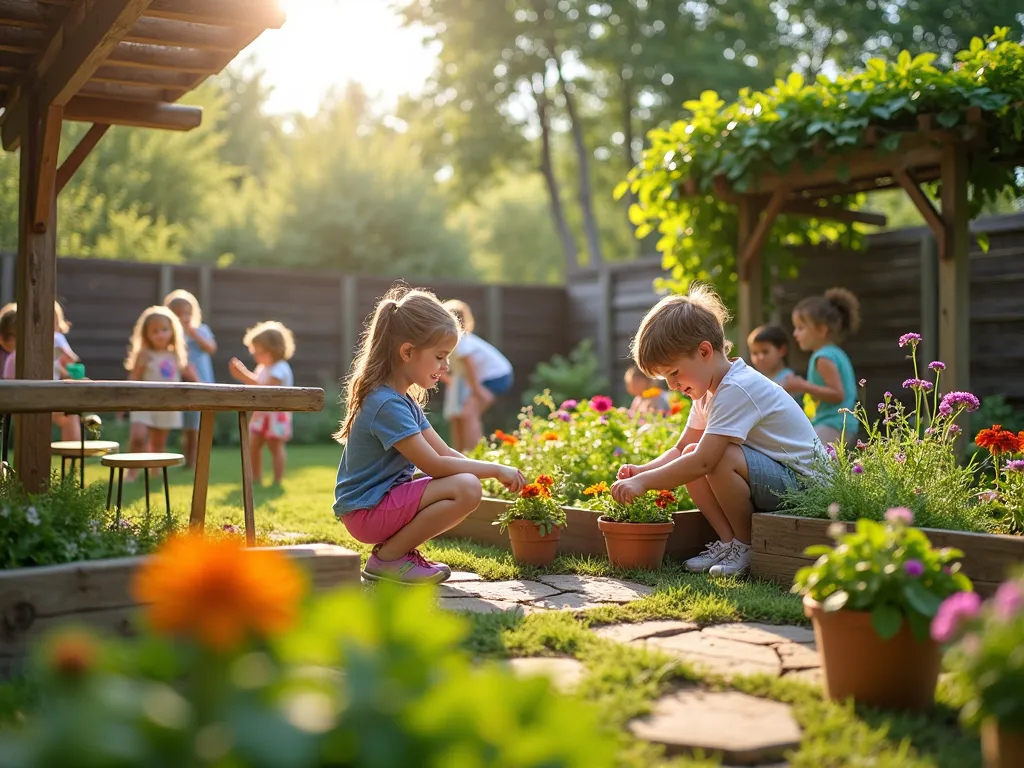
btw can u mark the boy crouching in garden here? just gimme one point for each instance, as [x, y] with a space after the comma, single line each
[746, 440]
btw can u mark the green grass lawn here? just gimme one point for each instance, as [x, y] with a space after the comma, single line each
[622, 681]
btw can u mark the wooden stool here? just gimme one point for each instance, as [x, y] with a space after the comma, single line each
[79, 450]
[145, 462]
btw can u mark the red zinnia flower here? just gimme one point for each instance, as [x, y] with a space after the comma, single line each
[998, 440]
[546, 480]
[675, 408]
[532, 491]
[664, 499]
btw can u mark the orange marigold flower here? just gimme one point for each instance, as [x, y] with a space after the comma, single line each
[594, 490]
[533, 491]
[550, 437]
[998, 440]
[72, 653]
[675, 408]
[651, 392]
[546, 480]
[217, 592]
[665, 498]
[505, 438]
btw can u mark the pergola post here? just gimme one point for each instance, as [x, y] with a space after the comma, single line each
[751, 270]
[955, 270]
[36, 285]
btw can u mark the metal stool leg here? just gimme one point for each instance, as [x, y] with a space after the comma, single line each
[110, 487]
[81, 434]
[167, 496]
[120, 485]
[63, 467]
[145, 471]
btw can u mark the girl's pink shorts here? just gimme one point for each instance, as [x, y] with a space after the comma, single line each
[395, 511]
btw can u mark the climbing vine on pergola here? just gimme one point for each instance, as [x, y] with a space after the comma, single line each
[784, 166]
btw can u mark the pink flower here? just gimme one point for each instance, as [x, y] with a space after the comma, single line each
[568, 405]
[937, 365]
[988, 496]
[601, 403]
[1017, 465]
[912, 339]
[1008, 600]
[953, 399]
[900, 458]
[914, 568]
[562, 415]
[955, 609]
[858, 469]
[900, 515]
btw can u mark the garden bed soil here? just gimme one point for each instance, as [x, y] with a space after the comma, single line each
[97, 594]
[581, 534]
[779, 541]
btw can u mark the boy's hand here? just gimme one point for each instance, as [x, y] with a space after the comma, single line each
[627, 471]
[625, 491]
[512, 479]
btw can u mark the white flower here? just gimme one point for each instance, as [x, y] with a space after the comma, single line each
[133, 547]
[5, 512]
[32, 516]
[833, 511]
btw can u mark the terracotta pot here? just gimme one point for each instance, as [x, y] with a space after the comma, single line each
[898, 673]
[1001, 747]
[635, 545]
[529, 546]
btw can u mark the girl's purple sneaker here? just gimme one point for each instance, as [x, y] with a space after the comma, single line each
[412, 568]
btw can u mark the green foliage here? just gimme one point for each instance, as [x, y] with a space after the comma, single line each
[577, 376]
[64, 524]
[535, 504]
[802, 124]
[909, 460]
[582, 444]
[889, 569]
[651, 507]
[987, 654]
[995, 410]
[357, 683]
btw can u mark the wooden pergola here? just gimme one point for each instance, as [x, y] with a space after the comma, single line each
[105, 62]
[927, 154]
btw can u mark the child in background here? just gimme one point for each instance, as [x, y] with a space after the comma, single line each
[820, 323]
[157, 353]
[456, 394]
[769, 346]
[70, 428]
[201, 345]
[648, 397]
[8, 337]
[745, 441]
[271, 345]
[403, 353]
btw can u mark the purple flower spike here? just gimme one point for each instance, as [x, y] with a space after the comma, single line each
[937, 365]
[1008, 601]
[1017, 465]
[953, 399]
[899, 515]
[954, 609]
[913, 568]
[921, 384]
[911, 339]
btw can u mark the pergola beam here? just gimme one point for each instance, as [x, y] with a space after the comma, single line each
[81, 151]
[752, 246]
[89, 32]
[931, 216]
[266, 14]
[139, 114]
[46, 186]
[833, 212]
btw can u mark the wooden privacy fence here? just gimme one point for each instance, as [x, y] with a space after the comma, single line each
[326, 311]
[896, 279]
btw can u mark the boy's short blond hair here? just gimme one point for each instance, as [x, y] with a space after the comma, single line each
[677, 325]
[273, 337]
[462, 313]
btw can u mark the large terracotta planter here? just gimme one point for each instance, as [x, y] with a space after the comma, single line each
[635, 545]
[898, 673]
[1000, 746]
[530, 546]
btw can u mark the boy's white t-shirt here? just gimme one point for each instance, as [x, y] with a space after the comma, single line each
[488, 362]
[756, 411]
[60, 347]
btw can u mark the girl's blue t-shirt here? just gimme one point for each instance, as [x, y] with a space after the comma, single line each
[370, 464]
[828, 414]
[198, 357]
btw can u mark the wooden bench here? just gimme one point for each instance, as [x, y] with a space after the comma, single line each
[24, 396]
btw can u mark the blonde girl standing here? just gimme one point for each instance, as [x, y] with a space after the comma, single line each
[201, 346]
[271, 345]
[403, 353]
[157, 353]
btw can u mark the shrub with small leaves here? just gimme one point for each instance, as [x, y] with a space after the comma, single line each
[651, 507]
[536, 505]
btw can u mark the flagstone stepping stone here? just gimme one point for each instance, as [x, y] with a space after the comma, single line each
[478, 605]
[564, 672]
[761, 634]
[568, 601]
[628, 633]
[796, 656]
[460, 576]
[720, 656]
[813, 677]
[744, 730]
[512, 591]
[598, 589]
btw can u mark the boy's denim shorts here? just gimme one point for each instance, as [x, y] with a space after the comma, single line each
[768, 479]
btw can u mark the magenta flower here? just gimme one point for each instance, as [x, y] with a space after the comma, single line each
[568, 405]
[526, 424]
[881, 407]
[953, 399]
[601, 403]
[937, 365]
[955, 609]
[921, 384]
[830, 450]
[858, 469]
[913, 568]
[910, 339]
[1017, 465]
[953, 430]
[861, 445]
[562, 415]
[1007, 601]
[899, 515]
[900, 458]
[603, 420]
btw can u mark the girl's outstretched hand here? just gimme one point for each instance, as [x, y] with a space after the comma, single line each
[627, 471]
[512, 479]
[626, 491]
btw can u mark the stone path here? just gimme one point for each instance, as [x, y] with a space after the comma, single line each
[744, 729]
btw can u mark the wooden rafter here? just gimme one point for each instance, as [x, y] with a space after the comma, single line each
[140, 114]
[755, 242]
[89, 32]
[230, 13]
[81, 151]
[931, 216]
[833, 212]
[52, 120]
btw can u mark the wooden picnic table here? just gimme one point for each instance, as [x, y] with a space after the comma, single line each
[32, 396]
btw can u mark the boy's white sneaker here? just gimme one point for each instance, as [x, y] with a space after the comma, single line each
[713, 554]
[735, 563]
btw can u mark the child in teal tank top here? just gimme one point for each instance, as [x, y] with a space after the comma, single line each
[820, 323]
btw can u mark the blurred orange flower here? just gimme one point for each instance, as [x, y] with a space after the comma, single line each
[217, 592]
[675, 408]
[72, 653]
[505, 438]
[546, 480]
[535, 490]
[650, 392]
[550, 436]
[593, 490]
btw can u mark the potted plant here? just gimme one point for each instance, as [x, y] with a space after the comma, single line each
[987, 654]
[635, 535]
[534, 523]
[871, 600]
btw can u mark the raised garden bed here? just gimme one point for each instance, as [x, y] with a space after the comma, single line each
[581, 534]
[97, 594]
[779, 542]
